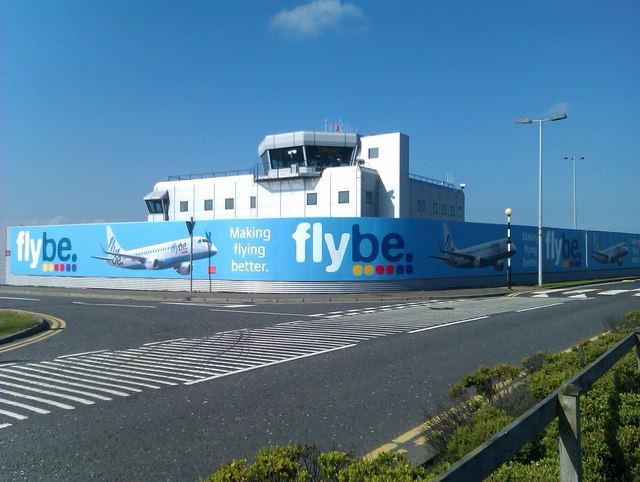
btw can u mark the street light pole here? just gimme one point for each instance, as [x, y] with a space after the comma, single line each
[556, 117]
[575, 216]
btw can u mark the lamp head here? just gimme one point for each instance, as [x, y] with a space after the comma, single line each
[508, 211]
[558, 117]
[523, 120]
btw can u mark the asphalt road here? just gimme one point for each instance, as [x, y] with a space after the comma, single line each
[169, 389]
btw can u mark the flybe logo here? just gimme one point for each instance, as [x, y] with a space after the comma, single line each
[50, 254]
[370, 255]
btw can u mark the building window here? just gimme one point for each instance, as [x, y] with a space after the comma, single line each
[184, 206]
[373, 153]
[435, 208]
[312, 199]
[343, 197]
[452, 211]
[368, 197]
[459, 212]
[253, 202]
[444, 210]
[422, 206]
[228, 203]
[208, 204]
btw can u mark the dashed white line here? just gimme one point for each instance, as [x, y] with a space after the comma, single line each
[443, 325]
[113, 304]
[537, 307]
[613, 292]
[81, 354]
[18, 299]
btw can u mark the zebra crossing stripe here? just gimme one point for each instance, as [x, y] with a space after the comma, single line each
[38, 399]
[24, 405]
[17, 416]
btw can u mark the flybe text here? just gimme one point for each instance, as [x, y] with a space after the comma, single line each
[563, 250]
[45, 249]
[365, 248]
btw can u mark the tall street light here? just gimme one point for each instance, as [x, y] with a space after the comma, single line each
[575, 217]
[508, 212]
[556, 117]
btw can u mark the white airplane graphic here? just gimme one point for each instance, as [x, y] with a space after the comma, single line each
[172, 254]
[612, 254]
[491, 253]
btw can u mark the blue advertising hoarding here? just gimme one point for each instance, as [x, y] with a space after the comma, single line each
[311, 249]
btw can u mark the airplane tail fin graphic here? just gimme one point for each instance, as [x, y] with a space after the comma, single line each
[448, 240]
[112, 243]
[449, 245]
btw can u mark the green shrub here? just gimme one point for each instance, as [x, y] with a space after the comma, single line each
[544, 470]
[387, 467]
[301, 463]
[486, 421]
[610, 413]
[273, 464]
[484, 380]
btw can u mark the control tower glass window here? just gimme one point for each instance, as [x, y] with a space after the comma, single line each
[282, 158]
[154, 206]
[318, 156]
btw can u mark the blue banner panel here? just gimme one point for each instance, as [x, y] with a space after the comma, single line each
[311, 249]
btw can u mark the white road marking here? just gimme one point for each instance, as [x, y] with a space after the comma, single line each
[117, 305]
[64, 389]
[578, 292]
[537, 307]
[25, 406]
[82, 354]
[208, 305]
[260, 312]
[443, 325]
[38, 399]
[581, 296]
[17, 416]
[18, 299]
[613, 292]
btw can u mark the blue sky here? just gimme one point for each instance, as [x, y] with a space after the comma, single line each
[101, 99]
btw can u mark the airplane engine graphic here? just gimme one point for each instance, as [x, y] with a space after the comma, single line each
[183, 268]
[152, 264]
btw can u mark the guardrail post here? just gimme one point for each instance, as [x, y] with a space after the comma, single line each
[638, 348]
[569, 428]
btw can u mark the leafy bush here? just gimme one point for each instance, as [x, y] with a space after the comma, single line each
[610, 413]
[301, 463]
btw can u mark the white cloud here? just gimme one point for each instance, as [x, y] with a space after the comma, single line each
[311, 19]
[559, 108]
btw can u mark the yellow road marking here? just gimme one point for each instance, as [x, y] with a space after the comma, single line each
[57, 325]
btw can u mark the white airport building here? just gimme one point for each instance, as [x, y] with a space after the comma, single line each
[313, 174]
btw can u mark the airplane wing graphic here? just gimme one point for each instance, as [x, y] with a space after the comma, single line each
[140, 259]
[465, 256]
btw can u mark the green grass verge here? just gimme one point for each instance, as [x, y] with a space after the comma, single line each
[15, 321]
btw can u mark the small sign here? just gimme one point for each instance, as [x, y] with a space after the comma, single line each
[7, 252]
[190, 226]
[212, 270]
